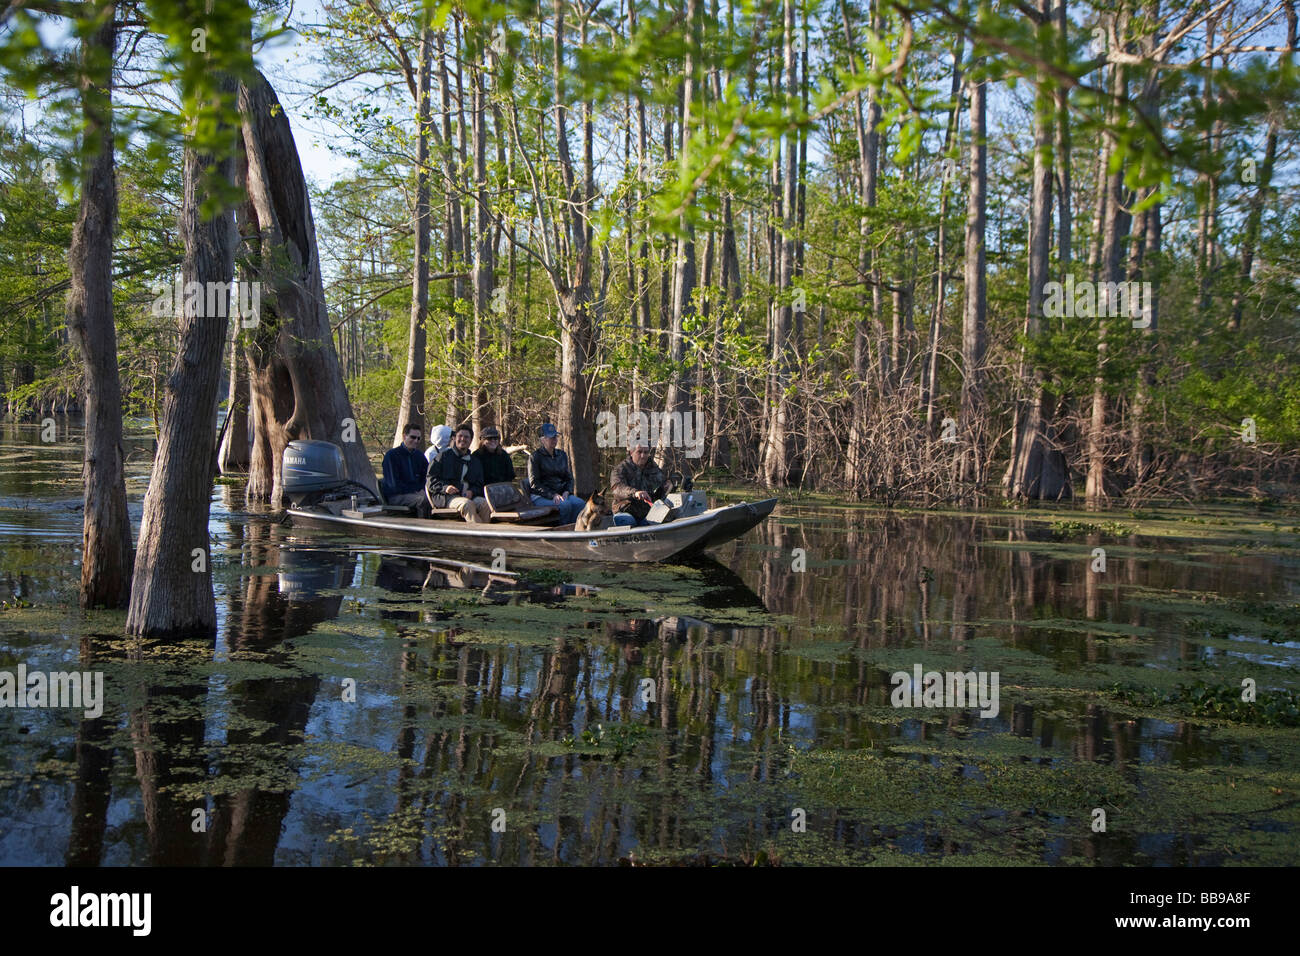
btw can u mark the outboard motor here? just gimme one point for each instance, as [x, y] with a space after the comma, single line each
[311, 470]
[682, 503]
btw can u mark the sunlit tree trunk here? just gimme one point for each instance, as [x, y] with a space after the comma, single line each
[483, 251]
[171, 592]
[411, 410]
[1035, 469]
[975, 304]
[781, 451]
[106, 529]
[930, 374]
[684, 267]
[856, 465]
[234, 452]
[1115, 226]
[296, 383]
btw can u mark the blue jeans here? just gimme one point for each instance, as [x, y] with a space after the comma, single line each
[623, 519]
[568, 511]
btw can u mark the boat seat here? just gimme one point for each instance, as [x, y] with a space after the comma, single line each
[509, 503]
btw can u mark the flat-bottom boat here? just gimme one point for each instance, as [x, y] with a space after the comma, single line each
[321, 497]
[655, 542]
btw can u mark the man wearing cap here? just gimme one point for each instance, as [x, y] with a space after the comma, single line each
[550, 479]
[457, 479]
[494, 459]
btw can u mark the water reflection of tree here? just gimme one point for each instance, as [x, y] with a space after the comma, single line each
[172, 703]
[269, 715]
[92, 789]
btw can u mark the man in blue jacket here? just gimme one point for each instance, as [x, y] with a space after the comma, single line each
[404, 469]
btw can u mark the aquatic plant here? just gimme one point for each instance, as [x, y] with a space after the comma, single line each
[1274, 708]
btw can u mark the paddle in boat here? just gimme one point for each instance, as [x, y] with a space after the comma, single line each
[320, 496]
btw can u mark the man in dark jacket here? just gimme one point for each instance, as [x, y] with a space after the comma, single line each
[457, 479]
[404, 469]
[636, 484]
[497, 466]
[550, 479]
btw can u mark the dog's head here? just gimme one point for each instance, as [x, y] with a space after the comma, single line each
[594, 513]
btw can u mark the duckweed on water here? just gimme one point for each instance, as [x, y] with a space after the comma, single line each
[1073, 528]
[1117, 693]
[1270, 708]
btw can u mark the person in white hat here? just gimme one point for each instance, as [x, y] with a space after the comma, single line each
[441, 438]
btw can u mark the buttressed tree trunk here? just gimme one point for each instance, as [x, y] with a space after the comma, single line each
[171, 593]
[106, 529]
[296, 381]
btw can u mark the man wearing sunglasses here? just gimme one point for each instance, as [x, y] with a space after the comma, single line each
[404, 469]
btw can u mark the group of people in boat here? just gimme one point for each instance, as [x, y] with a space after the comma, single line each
[448, 475]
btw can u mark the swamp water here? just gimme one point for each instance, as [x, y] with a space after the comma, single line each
[359, 707]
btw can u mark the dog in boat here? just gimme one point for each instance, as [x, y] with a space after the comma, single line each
[594, 515]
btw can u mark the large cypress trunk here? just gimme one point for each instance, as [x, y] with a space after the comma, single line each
[171, 594]
[106, 529]
[297, 388]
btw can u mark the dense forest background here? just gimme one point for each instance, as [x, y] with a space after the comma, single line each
[830, 227]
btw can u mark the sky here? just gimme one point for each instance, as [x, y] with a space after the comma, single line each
[287, 64]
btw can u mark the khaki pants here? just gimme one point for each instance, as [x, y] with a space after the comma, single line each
[475, 510]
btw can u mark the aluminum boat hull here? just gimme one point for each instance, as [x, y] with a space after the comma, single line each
[663, 542]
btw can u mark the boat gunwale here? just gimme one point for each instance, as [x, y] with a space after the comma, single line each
[541, 533]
